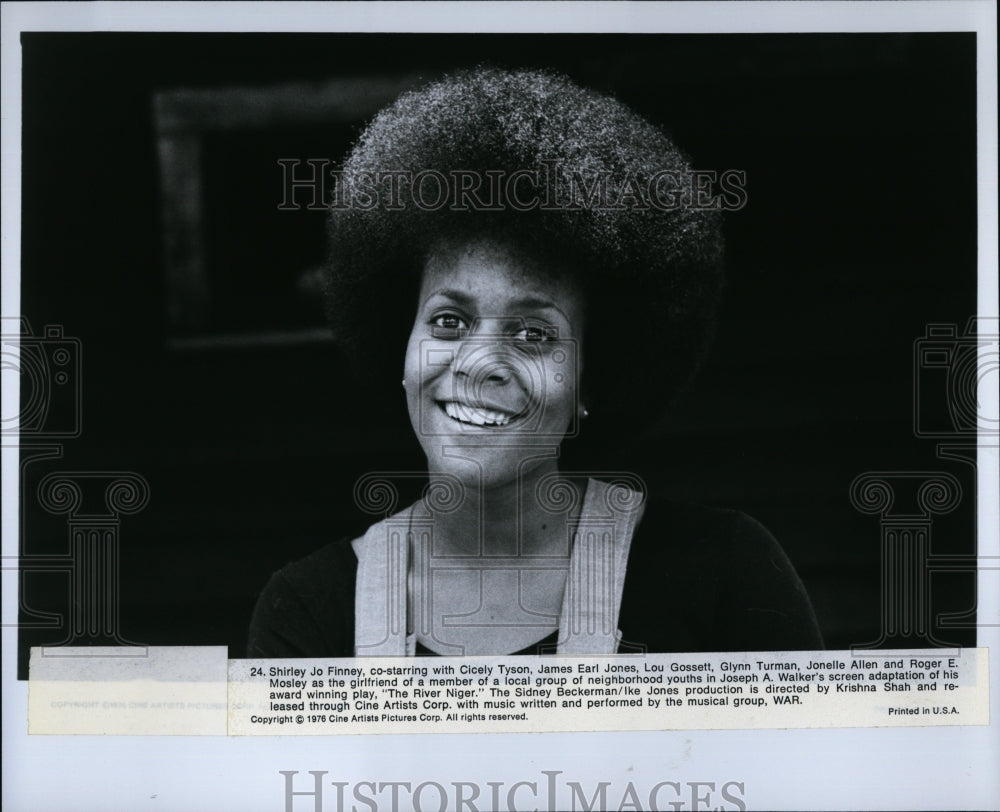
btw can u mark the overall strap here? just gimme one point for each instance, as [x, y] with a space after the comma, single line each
[380, 597]
[588, 623]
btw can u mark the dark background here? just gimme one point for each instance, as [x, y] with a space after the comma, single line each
[859, 231]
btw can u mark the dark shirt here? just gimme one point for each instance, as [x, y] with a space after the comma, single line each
[698, 579]
[547, 645]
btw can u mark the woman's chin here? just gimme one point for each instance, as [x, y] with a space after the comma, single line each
[478, 468]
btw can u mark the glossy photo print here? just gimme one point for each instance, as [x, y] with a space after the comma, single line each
[729, 295]
[625, 398]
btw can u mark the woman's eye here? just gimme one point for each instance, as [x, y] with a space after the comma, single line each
[448, 324]
[536, 333]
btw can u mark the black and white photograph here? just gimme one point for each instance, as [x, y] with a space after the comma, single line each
[790, 238]
[382, 339]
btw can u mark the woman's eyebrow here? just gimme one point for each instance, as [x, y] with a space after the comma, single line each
[456, 296]
[534, 303]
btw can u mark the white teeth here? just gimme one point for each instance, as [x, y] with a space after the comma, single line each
[478, 417]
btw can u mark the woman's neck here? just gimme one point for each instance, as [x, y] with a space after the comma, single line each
[512, 519]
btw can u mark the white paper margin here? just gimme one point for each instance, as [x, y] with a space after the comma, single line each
[825, 769]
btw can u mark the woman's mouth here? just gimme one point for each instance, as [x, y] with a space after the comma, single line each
[475, 415]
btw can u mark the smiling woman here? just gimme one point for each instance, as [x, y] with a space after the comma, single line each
[493, 347]
[518, 321]
[491, 390]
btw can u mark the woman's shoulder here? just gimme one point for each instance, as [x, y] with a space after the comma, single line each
[698, 538]
[699, 528]
[334, 560]
[726, 574]
[306, 609]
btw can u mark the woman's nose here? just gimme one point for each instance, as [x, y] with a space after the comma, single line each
[484, 361]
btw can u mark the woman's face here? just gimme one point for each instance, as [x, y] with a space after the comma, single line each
[493, 364]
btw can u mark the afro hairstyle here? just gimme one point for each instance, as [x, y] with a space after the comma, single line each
[651, 275]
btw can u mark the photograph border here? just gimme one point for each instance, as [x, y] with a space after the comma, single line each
[815, 769]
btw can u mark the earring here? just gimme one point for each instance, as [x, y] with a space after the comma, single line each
[404, 383]
[584, 414]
